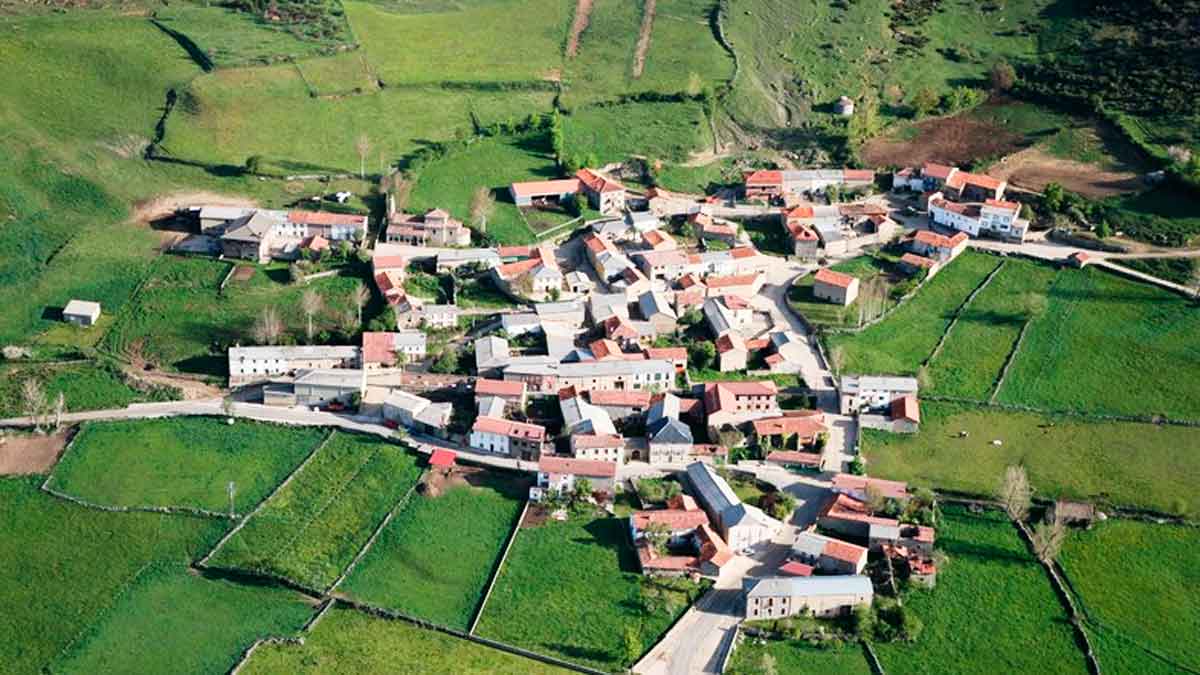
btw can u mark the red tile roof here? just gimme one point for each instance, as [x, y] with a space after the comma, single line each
[801, 231]
[378, 348]
[906, 408]
[728, 342]
[718, 229]
[488, 387]
[764, 177]
[578, 467]
[326, 218]
[918, 260]
[667, 353]
[938, 171]
[757, 344]
[723, 395]
[683, 502]
[618, 327]
[845, 507]
[800, 211]
[804, 425]
[1000, 204]
[495, 425]
[658, 239]
[732, 280]
[675, 519]
[513, 270]
[597, 182]
[840, 550]
[587, 441]
[940, 240]
[980, 180]
[442, 458]
[713, 548]
[537, 188]
[792, 457]
[828, 276]
[619, 398]
[795, 569]
[858, 175]
[888, 488]
[740, 252]
[515, 251]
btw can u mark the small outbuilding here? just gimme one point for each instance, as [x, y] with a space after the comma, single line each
[81, 312]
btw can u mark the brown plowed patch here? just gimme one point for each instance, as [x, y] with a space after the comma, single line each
[30, 453]
[643, 43]
[583, 12]
[952, 140]
[164, 206]
[1032, 169]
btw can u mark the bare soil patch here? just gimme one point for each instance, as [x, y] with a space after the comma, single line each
[952, 140]
[191, 389]
[164, 206]
[31, 453]
[643, 42]
[243, 273]
[535, 516]
[1033, 168]
[583, 12]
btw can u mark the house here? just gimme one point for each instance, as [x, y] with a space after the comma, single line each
[433, 228]
[386, 350]
[791, 459]
[805, 242]
[598, 447]
[846, 515]
[917, 539]
[417, 413]
[518, 440]
[512, 393]
[667, 264]
[1073, 512]
[438, 316]
[321, 387]
[81, 312]
[779, 597]
[681, 518]
[859, 487]
[593, 375]
[873, 392]
[563, 473]
[801, 428]
[906, 414]
[789, 351]
[992, 217]
[570, 313]
[248, 365]
[620, 404]
[742, 526]
[491, 352]
[252, 238]
[656, 309]
[448, 261]
[657, 240]
[533, 193]
[643, 222]
[741, 285]
[669, 440]
[581, 417]
[603, 306]
[974, 187]
[829, 555]
[836, 287]
[579, 282]
[777, 185]
[729, 313]
[938, 247]
[214, 219]
[490, 406]
[536, 276]
[520, 323]
[731, 352]
[327, 225]
[693, 546]
[676, 355]
[603, 193]
[913, 264]
[734, 403]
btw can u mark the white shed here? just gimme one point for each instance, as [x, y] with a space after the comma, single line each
[81, 312]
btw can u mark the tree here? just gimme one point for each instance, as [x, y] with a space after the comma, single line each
[254, 164]
[766, 664]
[268, 327]
[1103, 229]
[876, 502]
[702, 354]
[363, 146]
[633, 645]
[1015, 493]
[658, 534]
[924, 102]
[359, 298]
[1196, 280]
[482, 204]
[446, 362]
[837, 358]
[311, 303]
[1003, 77]
[1053, 197]
[33, 401]
[857, 467]
[1048, 539]
[343, 249]
[729, 437]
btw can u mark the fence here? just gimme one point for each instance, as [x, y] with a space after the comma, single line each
[961, 308]
[1012, 357]
[872, 659]
[362, 552]
[512, 537]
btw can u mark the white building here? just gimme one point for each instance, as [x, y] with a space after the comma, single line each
[874, 392]
[778, 597]
[992, 217]
[562, 473]
[258, 364]
[81, 312]
[741, 525]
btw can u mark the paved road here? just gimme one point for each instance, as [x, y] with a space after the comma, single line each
[697, 643]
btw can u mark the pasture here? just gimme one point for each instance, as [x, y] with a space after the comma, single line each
[435, 558]
[797, 658]
[1117, 462]
[901, 342]
[1130, 576]
[181, 461]
[349, 642]
[206, 626]
[232, 37]
[658, 131]
[182, 320]
[310, 530]
[73, 563]
[579, 579]
[866, 268]
[993, 609]
[1099, 330]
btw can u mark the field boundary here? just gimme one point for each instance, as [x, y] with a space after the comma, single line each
[645, 31]
[1008, 362]
[937, 349]
[1087, 416]
[855, 330]
[104, 611]
[362, 552]
[512, 537]
[203, 562]
[873, 661]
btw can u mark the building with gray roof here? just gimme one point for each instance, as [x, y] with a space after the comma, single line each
[778, 597]
[874, 392]
[741, 525]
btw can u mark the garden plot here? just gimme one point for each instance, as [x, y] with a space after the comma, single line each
[349, 642]
[181, 462]
[824, 313]
[993, 610]
[1117, 462]
[173, 620]
[310, 529]
[1136, 582]
[572, 590]
[436, 556]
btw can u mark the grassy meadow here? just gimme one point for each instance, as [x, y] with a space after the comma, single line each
[349, 642]
[1130, 576]
[84, 386]
[181, 461]
[208, 626]
[579, 579]
[74, 562]
[666, 131]
[311, 529]
[797, 658]
[434, 560]
[231, 37]
[822, 313]
[1145, 465]
[900, 343]
[993, 609]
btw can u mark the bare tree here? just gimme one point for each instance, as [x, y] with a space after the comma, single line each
[1196, 280]
[363, 146]
[33, 400]
[311, 302]
[401, 191]
[1015, 493]
[837, 358]
[1048, 539]
[482, 203]
[360, 297]
[60, 407]
[875, 502]
[268, 328]
[348, 321]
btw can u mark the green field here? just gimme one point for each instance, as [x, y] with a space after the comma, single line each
[822, 313]
[1131, 577]
[435, 558]
[73, 562]
[657, 131]
[1143, 465]
[684, 52]
[171, 620]
[231, 37]
[993, 609]
[181, 461]
[84, 386]
[570, 589]
[1112, 346]
[797, 658]
[973, 355]
[900, 343]
[183, 321]
[349, 642]
[311, 529]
